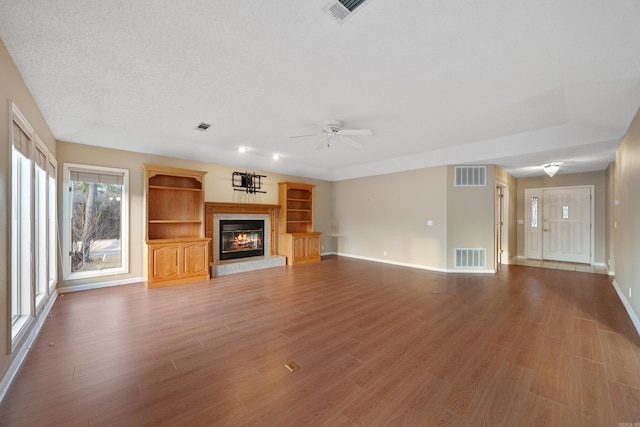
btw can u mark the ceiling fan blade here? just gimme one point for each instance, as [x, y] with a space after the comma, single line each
[350, 142]
[354, 132]
[323, 144]
[306, 136]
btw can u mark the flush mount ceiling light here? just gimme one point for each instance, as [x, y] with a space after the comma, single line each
[275, 156]
[242, 149]
[551, 168]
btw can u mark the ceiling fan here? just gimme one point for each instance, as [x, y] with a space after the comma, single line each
[332, 129]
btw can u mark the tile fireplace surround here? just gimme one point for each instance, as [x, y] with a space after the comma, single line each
[214, 212]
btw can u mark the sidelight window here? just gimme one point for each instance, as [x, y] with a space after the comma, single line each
[534, 211]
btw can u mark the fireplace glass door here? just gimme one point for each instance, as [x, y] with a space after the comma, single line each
[241, 238]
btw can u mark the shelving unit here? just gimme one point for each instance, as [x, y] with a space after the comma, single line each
[297, 240]
[176, 249]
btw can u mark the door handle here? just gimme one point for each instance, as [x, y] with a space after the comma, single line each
[545, 229]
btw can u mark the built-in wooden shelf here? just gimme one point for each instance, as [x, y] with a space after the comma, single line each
[297, 240]
[176, 247]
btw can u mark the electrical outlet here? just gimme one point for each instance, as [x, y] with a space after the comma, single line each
[629, 292]
[384, 253]
[429, 223]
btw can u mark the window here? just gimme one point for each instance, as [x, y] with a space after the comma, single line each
[41, 238]
[534, 211]
[97, 217]
[33, 224]
[21, 273]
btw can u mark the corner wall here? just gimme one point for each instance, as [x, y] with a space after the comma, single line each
[627, 217]
[610, 253]
[471, 217]
[511, 206]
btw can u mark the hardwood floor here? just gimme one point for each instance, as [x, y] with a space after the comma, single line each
[376, 344]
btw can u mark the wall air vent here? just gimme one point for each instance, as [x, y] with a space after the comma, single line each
[341, 10]
[470, 258]
[470, 176]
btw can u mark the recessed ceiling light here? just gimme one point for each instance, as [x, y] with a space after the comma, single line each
[242, 149]
[203, 126]
[275, 156]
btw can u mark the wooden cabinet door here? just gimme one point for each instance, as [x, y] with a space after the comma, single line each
[164, 262]
[313, 246]
[195, 259]
[299, 247]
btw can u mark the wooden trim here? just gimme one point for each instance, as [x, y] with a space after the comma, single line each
[170, 170]
[212, 208]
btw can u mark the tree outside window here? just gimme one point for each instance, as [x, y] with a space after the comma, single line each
[97, 199]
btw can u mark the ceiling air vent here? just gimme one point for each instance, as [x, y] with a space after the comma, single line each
[342, 10]
[203, 126]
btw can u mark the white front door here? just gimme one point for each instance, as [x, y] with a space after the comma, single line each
[558, 224]
[567, 224]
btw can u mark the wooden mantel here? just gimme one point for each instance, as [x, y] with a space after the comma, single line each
[212, 208]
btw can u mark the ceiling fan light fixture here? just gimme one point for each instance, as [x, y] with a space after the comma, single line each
[332, 131]
[551, 168]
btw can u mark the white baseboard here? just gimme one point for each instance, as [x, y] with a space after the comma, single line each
[422, 267]
[328, 253]
[21, 353]
[627, 306]
[89, 286]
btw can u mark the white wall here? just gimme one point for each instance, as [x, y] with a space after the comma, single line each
[389, 213]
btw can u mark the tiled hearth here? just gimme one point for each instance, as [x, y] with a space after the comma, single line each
[241, 265]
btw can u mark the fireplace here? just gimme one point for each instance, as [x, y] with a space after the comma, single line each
[241, 238]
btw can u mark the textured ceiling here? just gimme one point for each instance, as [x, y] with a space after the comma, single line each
[437, 83]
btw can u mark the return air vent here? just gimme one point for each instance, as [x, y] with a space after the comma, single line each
[470, 258]
[471, 176]
[342, 10]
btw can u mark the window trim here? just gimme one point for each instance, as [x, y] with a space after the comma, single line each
[40, 239]
[52, 223]
[66, 216]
